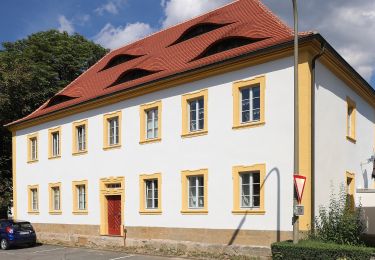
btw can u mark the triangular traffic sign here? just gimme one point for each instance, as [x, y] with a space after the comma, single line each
[299, 184]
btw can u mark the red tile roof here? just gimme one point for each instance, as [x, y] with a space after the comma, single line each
[158, 53]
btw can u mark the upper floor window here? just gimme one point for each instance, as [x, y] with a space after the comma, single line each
[248, 189]
[150, 193]
[150, 118]
[112, 130]
[194, 191]
[55, 143]
[80, 137]
[248, 103]
[32, 150]
[195, 113]
[351, 120]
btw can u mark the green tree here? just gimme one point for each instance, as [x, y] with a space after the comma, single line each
[32, 70]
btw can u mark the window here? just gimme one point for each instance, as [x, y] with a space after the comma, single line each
[194, 113]
[119, 59]
[79, 197]
[112, 130]
[113, 185]
[248, 189]
[150, 193]
[55, 198]
[351, 120]
[32, 150]
[150, 118]
[248, 103]
[55, 143]
[33, 192]
[350, 188]
[132, 74]
[227, 44]
[80, 137]
[194, 192]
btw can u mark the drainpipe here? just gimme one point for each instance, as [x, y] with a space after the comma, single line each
[313, 63]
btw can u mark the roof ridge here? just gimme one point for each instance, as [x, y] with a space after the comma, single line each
[177, 24]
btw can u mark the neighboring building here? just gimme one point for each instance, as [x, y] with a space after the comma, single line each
[187, 135]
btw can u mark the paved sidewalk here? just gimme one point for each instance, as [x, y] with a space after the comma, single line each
[47, 252]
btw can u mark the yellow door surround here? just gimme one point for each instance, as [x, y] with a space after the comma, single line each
[108, 187]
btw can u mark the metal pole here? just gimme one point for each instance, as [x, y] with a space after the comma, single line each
[296, 122]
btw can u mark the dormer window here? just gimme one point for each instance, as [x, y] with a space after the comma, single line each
[58, 99]
[227, 44]
[197, 30]
[132, 75]
[119, 59]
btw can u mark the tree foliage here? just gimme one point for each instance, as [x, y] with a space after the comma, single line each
[32, 70]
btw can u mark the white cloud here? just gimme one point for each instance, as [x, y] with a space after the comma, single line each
[112, 7]
[348, 25]
[113, 37]
[65, 25]
[179, 10]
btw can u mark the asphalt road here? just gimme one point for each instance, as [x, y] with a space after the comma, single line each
[46, 252]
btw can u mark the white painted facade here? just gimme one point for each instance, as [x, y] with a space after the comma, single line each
[335, 155]
[218, 151]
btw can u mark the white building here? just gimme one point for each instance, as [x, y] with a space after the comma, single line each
[188, 135]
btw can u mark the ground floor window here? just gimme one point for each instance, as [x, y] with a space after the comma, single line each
[33, 194]
[55, 198]
[150, 193]
[80, 197]
[194, 191]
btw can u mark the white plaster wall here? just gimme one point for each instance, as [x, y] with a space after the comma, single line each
[334, 153]
[218, 151]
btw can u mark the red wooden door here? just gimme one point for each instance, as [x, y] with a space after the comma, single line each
[114, 215]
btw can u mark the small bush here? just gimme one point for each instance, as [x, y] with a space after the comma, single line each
[309, 249]
[340, 222]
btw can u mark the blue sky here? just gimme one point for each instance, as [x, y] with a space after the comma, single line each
[113, 23]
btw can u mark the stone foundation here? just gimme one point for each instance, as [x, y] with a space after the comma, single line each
[214, 243]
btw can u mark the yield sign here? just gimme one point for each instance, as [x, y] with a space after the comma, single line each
[299, 184]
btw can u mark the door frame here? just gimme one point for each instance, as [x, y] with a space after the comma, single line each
[108, 191]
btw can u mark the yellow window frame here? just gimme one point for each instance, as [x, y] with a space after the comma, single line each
[75, 126]
[351, 134]
[50, 142]
[184, 188]
[30, 200]
[236, 93]
[185, 99]
[76, 210]
[51, 186]
[106, 118]
[29, 147]
[236, 172]
[142, 194]
[143, 109]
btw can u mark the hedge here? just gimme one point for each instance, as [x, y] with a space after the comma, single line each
[310, 249]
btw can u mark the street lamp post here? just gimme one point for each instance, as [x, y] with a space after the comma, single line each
[296, 122]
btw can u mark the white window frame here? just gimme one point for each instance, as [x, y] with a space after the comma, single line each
[55, 143]
[81, 138]
[251, 190]
[115, 138]
[81, 197]
[34, 148]
[197, 108]
[197, 195]
[155, 123]
[56, 196]
[152, 197]
[251, 110]
[34, 199]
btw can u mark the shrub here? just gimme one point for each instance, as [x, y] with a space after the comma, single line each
[340, 222]
[310, 249]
